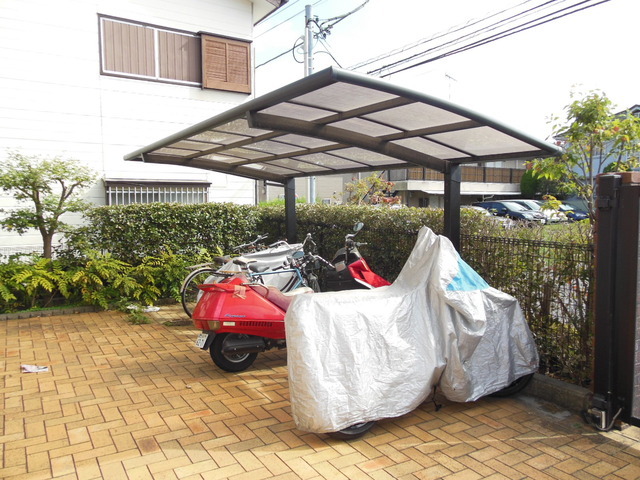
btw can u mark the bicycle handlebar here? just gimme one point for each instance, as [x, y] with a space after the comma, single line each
[250, 244]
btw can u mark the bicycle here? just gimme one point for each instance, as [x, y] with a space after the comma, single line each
[223, 267]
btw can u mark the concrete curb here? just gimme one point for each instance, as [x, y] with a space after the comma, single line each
[66, 311]
[48, 313]
[566, 395]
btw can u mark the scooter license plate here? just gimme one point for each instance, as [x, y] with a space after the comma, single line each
[202, 338]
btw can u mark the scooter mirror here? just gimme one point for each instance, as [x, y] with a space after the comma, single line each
[298, 254]
[358, 226]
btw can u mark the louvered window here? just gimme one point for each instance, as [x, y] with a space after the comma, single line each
[135, 50]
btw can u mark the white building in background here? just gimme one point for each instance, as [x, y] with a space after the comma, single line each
[97, 79]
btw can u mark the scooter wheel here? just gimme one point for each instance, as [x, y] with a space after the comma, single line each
[352, 432]
[514, 387]
[230, 363]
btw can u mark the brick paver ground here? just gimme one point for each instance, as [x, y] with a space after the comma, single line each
[125, 401]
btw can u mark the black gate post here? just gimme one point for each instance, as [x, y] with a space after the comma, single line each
[616, 385]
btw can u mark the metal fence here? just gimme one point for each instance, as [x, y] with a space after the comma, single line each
[553, 283]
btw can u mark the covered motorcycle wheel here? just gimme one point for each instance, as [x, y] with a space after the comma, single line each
[236, 362]
[514, 387]
[352, 432]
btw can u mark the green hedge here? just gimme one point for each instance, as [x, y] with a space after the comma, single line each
[133, 232]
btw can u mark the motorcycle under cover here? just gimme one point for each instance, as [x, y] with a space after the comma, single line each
[362, 355]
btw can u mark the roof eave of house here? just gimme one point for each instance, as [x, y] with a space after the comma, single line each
[263, 8]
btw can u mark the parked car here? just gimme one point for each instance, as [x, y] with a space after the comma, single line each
[553, 216]
[505, 221]
[572, 214]
[516, 211]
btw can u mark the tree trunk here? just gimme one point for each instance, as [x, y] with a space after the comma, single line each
[47, 241]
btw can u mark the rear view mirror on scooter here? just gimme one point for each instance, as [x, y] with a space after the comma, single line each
[357, 227]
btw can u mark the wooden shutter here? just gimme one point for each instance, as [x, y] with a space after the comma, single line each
[226, 64]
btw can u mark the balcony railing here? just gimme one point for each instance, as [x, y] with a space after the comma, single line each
[469, 174]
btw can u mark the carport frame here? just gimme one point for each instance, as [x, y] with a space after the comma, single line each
[272, 127]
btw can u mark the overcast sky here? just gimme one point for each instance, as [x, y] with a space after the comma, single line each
[520, 80]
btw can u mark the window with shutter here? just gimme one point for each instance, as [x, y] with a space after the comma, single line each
[226, 64]
[136, 50]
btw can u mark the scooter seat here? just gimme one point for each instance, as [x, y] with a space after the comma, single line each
[278, 298]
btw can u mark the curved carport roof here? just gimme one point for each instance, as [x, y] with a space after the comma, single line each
[335, 121]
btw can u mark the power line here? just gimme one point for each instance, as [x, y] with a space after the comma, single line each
[472, 34]
[323, 28]
[503, 34]
[338, 19]
[451, 31]
[277, 56]
[289, 18]
[328, 52]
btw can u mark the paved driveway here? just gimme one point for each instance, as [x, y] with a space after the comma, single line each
[125, 401]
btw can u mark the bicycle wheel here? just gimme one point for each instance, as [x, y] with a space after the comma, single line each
[189, 291]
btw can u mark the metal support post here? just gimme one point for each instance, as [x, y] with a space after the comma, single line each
[452, 179]
[290, 209]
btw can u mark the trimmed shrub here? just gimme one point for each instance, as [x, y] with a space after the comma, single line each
[133, 232]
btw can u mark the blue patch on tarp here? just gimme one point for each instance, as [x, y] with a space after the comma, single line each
[467, 279]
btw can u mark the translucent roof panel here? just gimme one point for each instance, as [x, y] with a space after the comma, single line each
[344, 97]
[366, 157]
[299, 112]
[325, 160]
[481, 141]
[416, 116]
[431, 148]
[305, 142]
[301, 166]
[275, 148]
[337, 121]
[365, 127]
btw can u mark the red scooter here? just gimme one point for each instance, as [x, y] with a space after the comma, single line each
[240, 318]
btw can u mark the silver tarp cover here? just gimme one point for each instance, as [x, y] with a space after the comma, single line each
[362, 355]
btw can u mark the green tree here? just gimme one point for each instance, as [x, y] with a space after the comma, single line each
[532, 185]
[370, 190]
[49, 187]
[594, 139]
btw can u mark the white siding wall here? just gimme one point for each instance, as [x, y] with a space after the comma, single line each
[53, 100]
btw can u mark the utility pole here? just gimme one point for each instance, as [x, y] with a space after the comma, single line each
[308, 41]
[308, 70]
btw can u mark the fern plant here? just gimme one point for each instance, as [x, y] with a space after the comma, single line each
[43, 276]
[96, 281]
